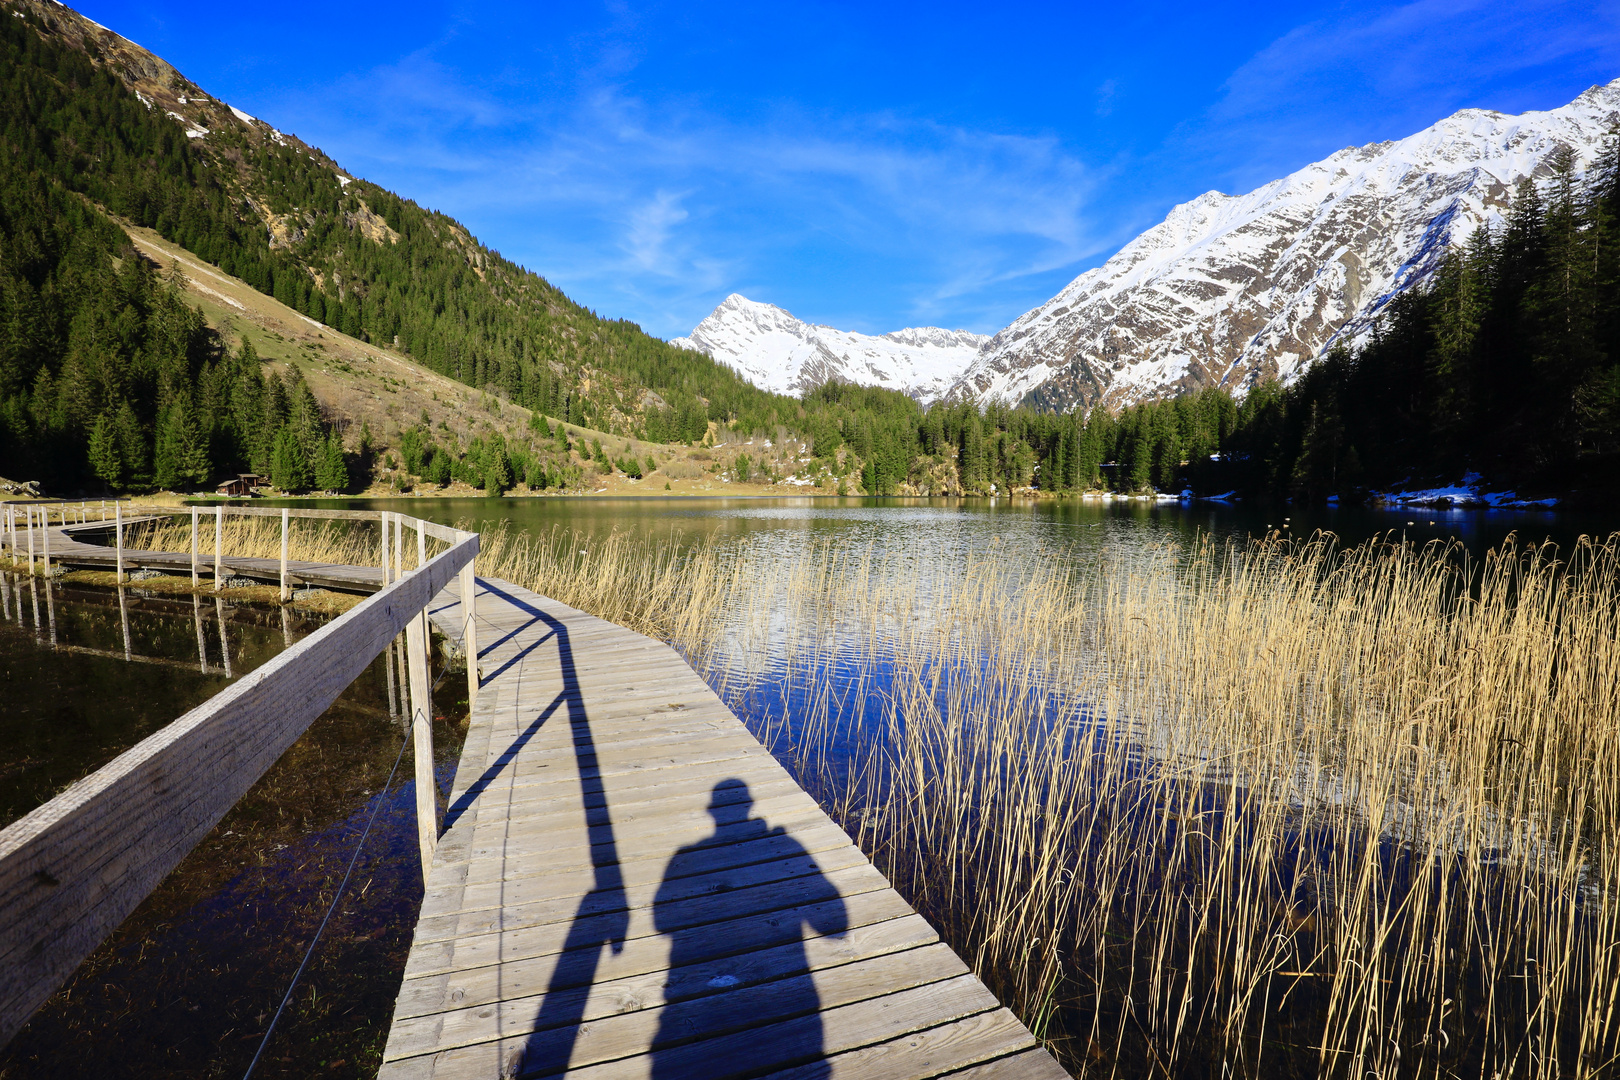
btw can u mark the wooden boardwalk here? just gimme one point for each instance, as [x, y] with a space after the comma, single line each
[67, 549]
[629, 886]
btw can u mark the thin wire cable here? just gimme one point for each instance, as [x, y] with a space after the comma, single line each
[375, 810]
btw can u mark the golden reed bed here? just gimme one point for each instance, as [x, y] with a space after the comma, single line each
[1270, 809]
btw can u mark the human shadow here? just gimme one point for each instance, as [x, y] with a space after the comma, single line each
[694, 940]
[602, 918]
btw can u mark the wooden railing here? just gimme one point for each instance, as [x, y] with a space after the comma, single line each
[73, 869]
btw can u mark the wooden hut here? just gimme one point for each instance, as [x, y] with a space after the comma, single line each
[241, 486]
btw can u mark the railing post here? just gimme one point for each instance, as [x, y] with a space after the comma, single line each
[118, 538]
[194, 565]
[421, 545]
[399, 547]
[219, 547]
[382, 524]
[45, 539]
[29, 511]
[284, 596]
[427, 790]
[469, 632]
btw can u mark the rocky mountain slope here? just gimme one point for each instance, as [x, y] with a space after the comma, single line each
[775, 351]
[1231, 289]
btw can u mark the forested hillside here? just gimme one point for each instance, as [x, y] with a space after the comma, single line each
[1507, 366]
[90, 120]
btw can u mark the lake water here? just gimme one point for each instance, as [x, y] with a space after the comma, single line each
[184, 988]
[1047, 525]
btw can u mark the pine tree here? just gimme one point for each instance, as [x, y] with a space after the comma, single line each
[333, 471]
[289, 465]
[105, 460]
[132, 447]
[439, 470]
[304, 416]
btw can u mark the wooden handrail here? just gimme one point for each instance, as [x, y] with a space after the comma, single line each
[73, 869]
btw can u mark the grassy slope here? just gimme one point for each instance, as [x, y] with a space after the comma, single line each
[361, 383]
[338, 235]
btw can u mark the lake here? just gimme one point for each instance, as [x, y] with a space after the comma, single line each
[184, 987]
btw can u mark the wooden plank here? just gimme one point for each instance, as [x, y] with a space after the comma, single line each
[505, 840]
[617, 993]
[874, 928]
[73, 869]
[437, 952]
[800, 1040]
[654, 1014]
[811, 834]
[1034, 1064]
[929, 1053]
[515, 910]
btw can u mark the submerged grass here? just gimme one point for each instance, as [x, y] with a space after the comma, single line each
[1269, 809]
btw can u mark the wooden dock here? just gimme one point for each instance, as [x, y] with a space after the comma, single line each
[67, 546]
[629, 885]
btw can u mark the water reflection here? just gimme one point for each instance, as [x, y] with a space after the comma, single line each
[1050, 523]
[183, 985]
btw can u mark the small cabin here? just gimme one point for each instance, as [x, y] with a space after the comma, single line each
[240, 487]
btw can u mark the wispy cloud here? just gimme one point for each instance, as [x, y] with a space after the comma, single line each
[1387, 71]
[664, 207]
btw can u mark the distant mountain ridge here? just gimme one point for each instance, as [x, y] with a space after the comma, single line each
[1226, 291]
[775, 351]
[1231, 289]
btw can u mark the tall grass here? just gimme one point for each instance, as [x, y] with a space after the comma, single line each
[345, 543]
[1264, 809]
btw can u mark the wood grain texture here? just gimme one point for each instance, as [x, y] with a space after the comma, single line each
[630, 885]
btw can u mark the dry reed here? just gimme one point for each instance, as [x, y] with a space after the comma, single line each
[1263, 809]
[1271, 809]
[323, 540]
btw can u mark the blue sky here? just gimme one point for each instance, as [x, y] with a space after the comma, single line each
[865, 166]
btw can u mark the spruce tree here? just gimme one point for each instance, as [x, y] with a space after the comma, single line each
[333, 471]
[289, 465]
[105, 460]
[132, 447]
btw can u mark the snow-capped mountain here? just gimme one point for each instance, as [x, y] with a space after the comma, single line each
[1231, 289]
[775, 351]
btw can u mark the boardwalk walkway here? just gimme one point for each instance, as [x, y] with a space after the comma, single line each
[629, 886]
[67, 548]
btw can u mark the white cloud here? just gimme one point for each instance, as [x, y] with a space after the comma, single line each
[1385, 72]
[666, 207]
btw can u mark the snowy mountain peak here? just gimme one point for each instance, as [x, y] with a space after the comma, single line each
[775, 351]
[1228, 289]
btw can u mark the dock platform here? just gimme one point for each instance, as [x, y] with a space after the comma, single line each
[630, 885]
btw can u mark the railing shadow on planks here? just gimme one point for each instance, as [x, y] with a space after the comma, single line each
[73, 869]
